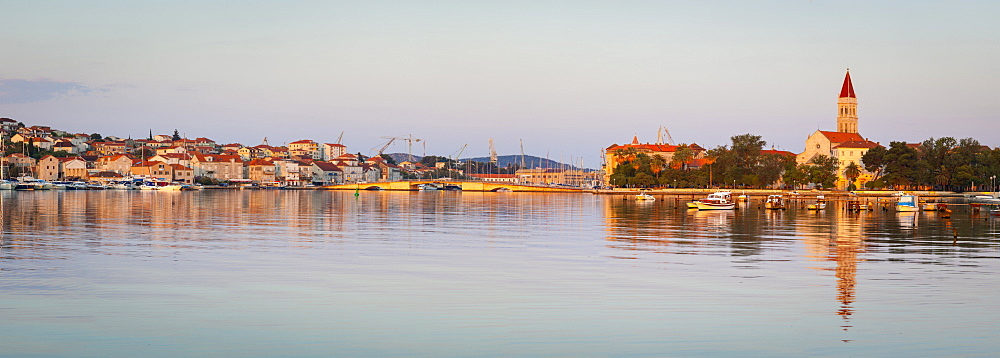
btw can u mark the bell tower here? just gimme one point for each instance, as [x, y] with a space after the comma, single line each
[847, 106]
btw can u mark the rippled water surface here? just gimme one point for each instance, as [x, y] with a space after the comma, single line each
[320, 273]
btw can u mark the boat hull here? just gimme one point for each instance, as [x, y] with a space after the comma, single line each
[715, 206]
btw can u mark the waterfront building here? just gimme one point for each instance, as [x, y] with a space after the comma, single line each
[846, 144]
[47, 168]
[572, 177]
[261, 170]
[73, 168]
[150, 169]
[616, 154]
[217, 166]
[326, 173]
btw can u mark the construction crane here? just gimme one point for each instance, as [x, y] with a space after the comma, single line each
[380, 150]
[459, 153]
[340, 137]
[409, 141]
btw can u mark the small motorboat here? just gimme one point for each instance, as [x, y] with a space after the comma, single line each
[643, 196]
[819, 205]
[721, 200]
[907, 203]
[776, 202]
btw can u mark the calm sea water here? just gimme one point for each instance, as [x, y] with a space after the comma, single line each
[320, 273]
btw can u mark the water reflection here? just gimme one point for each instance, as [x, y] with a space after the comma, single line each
[305, 273]
[755, 237]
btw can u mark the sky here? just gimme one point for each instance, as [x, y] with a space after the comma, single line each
[568, 78]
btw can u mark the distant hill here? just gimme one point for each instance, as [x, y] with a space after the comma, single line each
[530, 161]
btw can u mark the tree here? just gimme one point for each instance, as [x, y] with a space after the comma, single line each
[852, 172]
[901, 169]
[177, 136]
[657, 164]
[388, 159]
[874, 161]
[96, 136]
[823, 171]
[682, 155]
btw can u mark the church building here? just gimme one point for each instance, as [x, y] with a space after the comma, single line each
[845, 144]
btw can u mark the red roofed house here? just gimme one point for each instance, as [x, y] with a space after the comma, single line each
[109, 148]
[121, 164]
[182, 174]
[326, 173]
[261, 170]
[305, 147]
[846, 144]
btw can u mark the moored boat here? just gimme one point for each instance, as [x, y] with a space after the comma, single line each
[907, 203]
[775, 202]
[643, 196]
[721, 200]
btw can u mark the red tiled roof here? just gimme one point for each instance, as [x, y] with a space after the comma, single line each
[858, 144]
[781, 152]
[842, 137]
[260, 162]
[304, 141]
[327, 166]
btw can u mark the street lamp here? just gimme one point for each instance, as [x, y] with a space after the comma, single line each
[993, 184]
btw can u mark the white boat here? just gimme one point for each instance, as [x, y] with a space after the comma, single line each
[428, 187]
[644, 197]
[721, 200]
[774, 202]
[6, 185]
[907, 203]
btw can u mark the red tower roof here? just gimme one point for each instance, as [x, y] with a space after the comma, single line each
[848, 89]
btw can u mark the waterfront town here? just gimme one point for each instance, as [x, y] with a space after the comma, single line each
[44, 153]
[830, 160]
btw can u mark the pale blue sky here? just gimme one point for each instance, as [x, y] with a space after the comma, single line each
[568, 77]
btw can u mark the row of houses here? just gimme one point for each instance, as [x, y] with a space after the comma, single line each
[91, 157]
[185, 168]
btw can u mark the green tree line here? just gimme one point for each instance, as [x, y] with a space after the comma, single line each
[938, 164]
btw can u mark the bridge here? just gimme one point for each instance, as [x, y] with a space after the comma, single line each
[479, 186]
